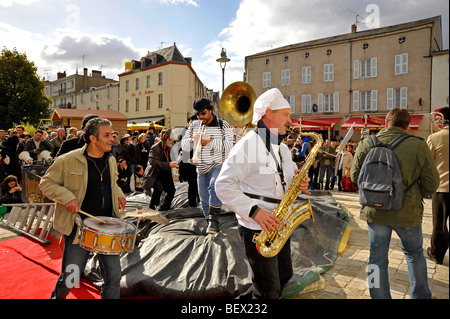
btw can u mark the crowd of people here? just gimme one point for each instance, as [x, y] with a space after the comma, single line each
[132, 153]
[18, 148]
[249, 177]
[330, 166]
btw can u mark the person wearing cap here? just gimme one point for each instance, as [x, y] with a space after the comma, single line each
[75, 143]
[216, 143]
[438, 144]
[253, 181]
[158, 173]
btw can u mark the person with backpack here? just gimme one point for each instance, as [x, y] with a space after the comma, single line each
[402, 209]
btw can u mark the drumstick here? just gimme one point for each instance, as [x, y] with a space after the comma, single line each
[84, 213]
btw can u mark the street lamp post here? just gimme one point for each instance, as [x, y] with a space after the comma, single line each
[223, 62]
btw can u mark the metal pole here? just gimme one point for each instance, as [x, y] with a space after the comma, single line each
[223, 79]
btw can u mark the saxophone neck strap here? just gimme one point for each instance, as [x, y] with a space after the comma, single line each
[266, 141]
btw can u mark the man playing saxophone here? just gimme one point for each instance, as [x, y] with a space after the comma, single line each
[253, 180]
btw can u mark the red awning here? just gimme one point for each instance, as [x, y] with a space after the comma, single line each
[415, 122]
[319, 124]
[377, 122]
[359, 123]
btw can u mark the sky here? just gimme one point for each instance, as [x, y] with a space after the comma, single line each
[67, 35]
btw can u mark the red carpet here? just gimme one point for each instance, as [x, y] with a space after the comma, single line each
[29, 270]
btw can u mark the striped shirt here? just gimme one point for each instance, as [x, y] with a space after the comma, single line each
[214, 153]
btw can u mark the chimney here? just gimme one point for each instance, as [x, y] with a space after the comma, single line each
[61, 75]
[85, 79]
[353, 28]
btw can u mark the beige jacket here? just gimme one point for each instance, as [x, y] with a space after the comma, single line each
[67, 179]
[438, 144]
[347, 161]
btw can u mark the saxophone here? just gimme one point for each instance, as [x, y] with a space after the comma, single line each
[270, 244]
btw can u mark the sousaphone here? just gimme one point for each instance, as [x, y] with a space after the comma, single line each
[236, 104]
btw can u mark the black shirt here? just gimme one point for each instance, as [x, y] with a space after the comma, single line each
[98, 198]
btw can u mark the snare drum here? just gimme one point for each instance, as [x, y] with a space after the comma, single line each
[111, 238]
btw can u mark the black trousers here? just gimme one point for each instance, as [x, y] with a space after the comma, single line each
[339, 179]
[439, 236]
[188, 172]
[163, 183]
[270, 275]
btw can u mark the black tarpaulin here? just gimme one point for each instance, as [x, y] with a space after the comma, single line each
[179, 261]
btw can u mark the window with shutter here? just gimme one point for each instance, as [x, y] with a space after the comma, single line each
[356, 69]
[390, 98]
[355, 101]
[306, 74]
[401, 64]
[374, 100]
[403, 97]
[320, 102]
[328, 72]
[336, 101]
[266, 80]
[285, 77]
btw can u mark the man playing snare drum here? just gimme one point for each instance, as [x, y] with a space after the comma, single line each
[85, 180]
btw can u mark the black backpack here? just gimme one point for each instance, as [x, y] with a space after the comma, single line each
[380, 180]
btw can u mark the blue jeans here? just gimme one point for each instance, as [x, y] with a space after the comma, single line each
[73, 264]
[207, 189]
[412, 246]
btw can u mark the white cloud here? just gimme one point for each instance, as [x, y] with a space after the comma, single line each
[103, 51]
[9, 3]
[13, 37]
[63, 50]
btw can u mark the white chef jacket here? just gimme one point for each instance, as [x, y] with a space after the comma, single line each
[250, 168]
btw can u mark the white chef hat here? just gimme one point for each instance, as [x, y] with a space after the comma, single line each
[272, 99]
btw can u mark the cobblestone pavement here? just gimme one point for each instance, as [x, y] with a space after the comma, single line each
[347, 278]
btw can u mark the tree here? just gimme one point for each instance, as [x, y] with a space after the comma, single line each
[22, 97]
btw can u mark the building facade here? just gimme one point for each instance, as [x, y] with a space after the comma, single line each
[440, 80]
[64, 89]
[161, 88]
[99, 98]
[356, 77]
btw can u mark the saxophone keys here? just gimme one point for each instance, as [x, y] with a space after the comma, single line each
[255, 238]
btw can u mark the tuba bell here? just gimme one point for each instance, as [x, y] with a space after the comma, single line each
[236, 104]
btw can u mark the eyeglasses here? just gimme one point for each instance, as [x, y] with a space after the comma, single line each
[202, 113]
